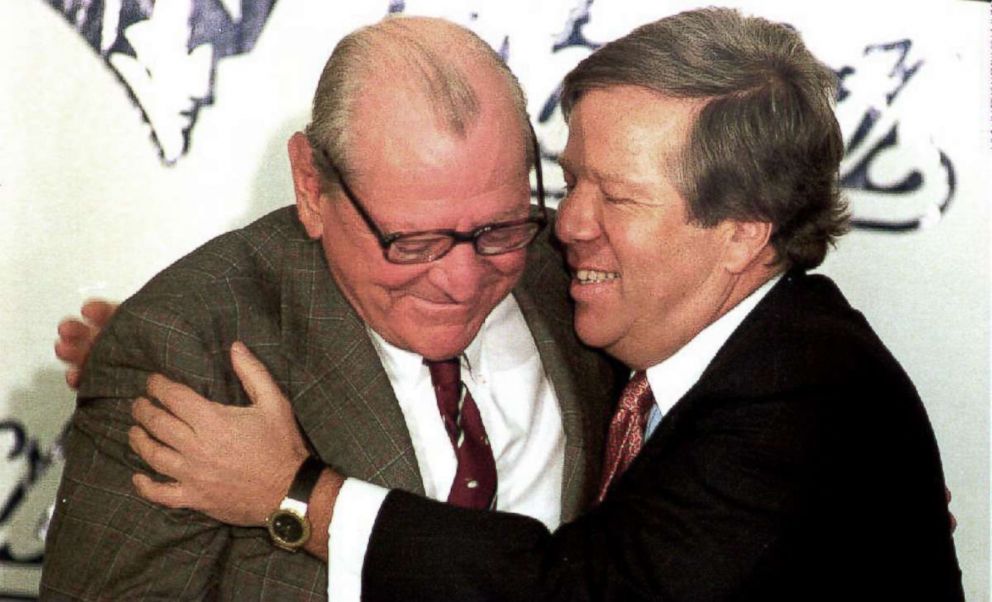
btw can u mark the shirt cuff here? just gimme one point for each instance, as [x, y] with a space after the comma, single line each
[355, 511]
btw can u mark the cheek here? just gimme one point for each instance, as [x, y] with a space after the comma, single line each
[673, 264]
[363, 274]
[392, 278]
[653, 260]
[510, 264]
[507, 268]
[637, 246]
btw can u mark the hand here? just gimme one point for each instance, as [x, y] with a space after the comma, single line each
[76, 337]
[234, 464]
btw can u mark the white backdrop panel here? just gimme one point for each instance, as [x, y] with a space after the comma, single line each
[99, 188]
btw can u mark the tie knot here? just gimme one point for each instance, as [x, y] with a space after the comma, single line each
[446, 376]
[445, 373]
[637, 397]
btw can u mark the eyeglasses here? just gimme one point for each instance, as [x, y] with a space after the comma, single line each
[430, 245]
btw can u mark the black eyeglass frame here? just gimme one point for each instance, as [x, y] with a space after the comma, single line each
[457, 237]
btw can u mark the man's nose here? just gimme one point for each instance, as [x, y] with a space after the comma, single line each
[579, 216]
[459, 273]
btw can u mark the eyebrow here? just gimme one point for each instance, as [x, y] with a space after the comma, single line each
[505, 215]
[609, 178]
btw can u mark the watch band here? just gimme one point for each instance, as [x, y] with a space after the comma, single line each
[305, 479]
[288, 525]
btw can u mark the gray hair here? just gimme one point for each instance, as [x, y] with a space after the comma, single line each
[428, 53]
[765, 144]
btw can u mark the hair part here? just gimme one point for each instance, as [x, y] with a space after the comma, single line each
[765, 144]
[430, 56]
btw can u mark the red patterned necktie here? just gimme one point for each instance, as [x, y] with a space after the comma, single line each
[626, 429]
[475, 478]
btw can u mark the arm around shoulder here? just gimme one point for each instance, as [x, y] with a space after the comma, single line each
[105, 542]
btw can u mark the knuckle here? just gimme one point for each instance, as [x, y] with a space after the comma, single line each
[154, 420]
[134, 436]
[153, 457]
[139, 407]
[175, 497]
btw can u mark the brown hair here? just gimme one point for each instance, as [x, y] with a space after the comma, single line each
[765, 144]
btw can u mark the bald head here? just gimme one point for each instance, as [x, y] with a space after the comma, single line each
[429, 68]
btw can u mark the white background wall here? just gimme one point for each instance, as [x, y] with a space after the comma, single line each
[88, 208]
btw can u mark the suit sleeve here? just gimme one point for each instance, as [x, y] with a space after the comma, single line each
[105, 542]
[694, 516]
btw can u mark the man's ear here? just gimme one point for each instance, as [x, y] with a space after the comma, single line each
[748, 242]
[306, 185]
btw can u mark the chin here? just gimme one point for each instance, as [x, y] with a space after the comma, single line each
[443, 345]
[591, 335]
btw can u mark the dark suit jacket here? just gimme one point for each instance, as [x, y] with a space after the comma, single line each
[269, 286]
[800, 467]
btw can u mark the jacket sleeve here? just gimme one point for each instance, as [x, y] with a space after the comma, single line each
[769, 498]
[105, 542]
[692, 519]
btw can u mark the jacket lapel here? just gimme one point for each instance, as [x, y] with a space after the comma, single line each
[339, 390]
[582, 383]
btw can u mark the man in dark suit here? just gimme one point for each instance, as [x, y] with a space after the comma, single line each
[407, 247]
[768, 447]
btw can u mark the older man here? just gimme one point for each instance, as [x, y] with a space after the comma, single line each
[768, 447]
[387, 287]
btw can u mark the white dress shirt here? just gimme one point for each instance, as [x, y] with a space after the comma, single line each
[503, 371]
[671, 379]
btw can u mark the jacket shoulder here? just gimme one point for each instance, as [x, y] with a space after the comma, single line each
[184, 319]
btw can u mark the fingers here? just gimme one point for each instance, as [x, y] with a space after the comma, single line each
[161, 458]
[267, 398]
[72, 378]
[162, 425]
[170, 495]
[74, 342]
[98, 312]
[76, 337]
[73, 347]
[184, 403]
[255, 378]
[72, 329]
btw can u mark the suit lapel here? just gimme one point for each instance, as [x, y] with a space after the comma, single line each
[339, 390]
[762, 357]
[580, 387]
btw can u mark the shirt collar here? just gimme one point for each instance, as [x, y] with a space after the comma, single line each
[671, 379]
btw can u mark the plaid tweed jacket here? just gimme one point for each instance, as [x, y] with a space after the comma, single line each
[268, 285]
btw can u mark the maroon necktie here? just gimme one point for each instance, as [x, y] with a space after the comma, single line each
[475, 478]
[626, 429]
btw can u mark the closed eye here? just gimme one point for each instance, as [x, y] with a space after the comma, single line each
[617, 200]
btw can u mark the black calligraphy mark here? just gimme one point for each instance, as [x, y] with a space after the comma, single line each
[38, 462]
[165, 54]
[865, 142]
[572, 36]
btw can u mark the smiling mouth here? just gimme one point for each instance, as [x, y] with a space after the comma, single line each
[595, 276]
[439, 304]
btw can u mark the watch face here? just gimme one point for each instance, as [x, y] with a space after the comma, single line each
[288, 529]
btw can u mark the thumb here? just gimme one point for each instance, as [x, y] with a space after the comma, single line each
[255, 378]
